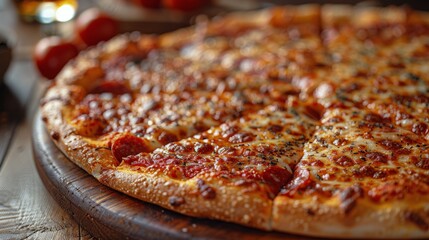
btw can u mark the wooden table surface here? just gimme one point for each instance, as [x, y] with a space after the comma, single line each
[27, 210]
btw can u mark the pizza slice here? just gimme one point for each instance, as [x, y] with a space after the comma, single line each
[396, 88]
[360, 177]
[231, 172]
[103, 121]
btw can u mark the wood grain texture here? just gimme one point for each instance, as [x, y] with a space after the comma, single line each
[11, 112]
[106, 213]
[26, 208]
[27, 211]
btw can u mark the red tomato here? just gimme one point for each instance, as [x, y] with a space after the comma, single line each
[148, 3]
[51, 54]
[94, 26]
[185, 5]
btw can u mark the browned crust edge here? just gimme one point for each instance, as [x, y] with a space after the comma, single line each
[230, 204]
[313, 217]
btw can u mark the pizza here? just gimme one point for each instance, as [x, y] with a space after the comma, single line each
[309, 119]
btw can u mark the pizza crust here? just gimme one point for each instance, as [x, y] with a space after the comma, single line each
[230, 203]
[314, 217]
[91, 157]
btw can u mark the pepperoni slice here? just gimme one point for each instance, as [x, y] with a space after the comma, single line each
[276, 177]
[301, 181]
[127, 145]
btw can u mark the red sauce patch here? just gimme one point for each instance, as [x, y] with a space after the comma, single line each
[126, 145]
[390, 145]
[365, 171]
[203, 148]
[343, 161]
[420, 162]
[172, 171]
[377, 157]
[275, 177]
[420, 129]
[178, 148]
[141, 159]
[317, 163]
[226, 151]
[241, 137]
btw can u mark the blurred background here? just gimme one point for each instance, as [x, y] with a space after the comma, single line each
[24, 22]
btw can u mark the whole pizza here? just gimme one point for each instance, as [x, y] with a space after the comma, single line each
[306, 119]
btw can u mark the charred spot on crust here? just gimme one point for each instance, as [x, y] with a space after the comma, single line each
[417, 220]
[390, 145]
[55, 135]
[377, 157]
[344, 161]
[420, 129]
[310, 212]
[420, 162]
[205, 190]
[176, 201]
[314, 112]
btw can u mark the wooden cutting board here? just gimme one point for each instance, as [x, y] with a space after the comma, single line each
[106, 213]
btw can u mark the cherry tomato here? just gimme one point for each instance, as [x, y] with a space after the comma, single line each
[184, 5]
[51, 54]
[148, 3]
[94, 26]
